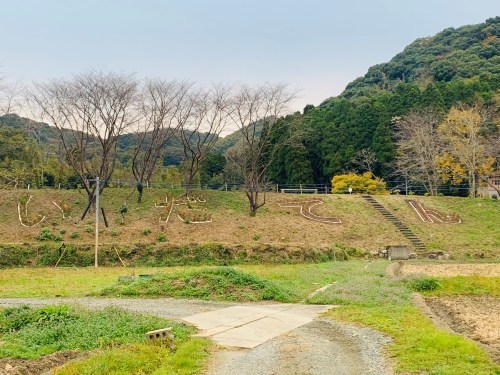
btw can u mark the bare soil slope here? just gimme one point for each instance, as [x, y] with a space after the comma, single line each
[363, 227]
[450, 269]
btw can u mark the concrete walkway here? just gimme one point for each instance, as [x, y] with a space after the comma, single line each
[247, 326]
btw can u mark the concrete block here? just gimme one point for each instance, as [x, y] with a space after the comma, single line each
[163, 336]
[398, 252]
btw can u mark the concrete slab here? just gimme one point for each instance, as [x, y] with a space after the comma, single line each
[246, 326]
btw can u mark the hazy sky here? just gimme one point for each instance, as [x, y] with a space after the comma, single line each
[317, 46]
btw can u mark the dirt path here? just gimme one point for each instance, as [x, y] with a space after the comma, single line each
[164, 307]
[322, 347]
[452, 269]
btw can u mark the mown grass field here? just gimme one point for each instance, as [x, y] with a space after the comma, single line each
[362, 227]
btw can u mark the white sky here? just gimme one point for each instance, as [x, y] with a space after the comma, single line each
[317, 46]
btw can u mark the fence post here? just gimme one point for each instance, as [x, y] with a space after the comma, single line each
[96, 220]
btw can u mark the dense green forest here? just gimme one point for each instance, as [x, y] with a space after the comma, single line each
[467, 52]
[353, 132]
[457, 66]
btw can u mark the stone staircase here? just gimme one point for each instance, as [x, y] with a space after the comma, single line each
[407, 232]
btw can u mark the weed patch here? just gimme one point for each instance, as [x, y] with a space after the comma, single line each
[164, 254]
[222, 283]
[32, 333]
[47, 235]
[467, 285]
[143, 359]
[425, 284]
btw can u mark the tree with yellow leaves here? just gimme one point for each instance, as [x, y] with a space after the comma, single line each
[465, 153]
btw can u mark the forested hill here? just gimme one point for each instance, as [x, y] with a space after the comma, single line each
[48, 137]
[465, 52]
[455, 66]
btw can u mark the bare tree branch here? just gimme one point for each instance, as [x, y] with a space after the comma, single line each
[10, 96]
[203, 120]
[255, 111]
[418, 148]
[365, 160]
[90, 112]
[160, 104]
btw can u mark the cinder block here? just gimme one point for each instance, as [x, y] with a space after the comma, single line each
[163, 336]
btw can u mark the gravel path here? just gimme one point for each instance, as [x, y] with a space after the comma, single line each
[322, 347]
[164, 307]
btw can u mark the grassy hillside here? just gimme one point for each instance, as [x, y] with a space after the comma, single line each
[361, 226]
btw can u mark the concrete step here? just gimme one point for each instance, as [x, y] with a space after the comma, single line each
[390, 217]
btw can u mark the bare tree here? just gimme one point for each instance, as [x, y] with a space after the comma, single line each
[365, 160]
[255, 111]
[161, 108]
[10, 94]
[203, 120]
[90, 112]
[418, 148]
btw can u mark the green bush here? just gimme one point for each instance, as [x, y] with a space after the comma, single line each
[146, 232]
[47, 235]
[425, 284]
[74, 235]
[162, 237]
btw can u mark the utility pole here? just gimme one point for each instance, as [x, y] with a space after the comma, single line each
[96, 219]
